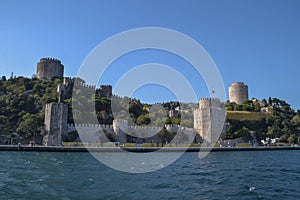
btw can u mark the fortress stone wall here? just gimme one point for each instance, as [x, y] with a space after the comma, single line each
[238, 92]
[92, 132]
[47, 68]
[209, 120]
[145, 134]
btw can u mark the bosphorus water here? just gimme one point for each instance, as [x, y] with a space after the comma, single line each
[220, 175]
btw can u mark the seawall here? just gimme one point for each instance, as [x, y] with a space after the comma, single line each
[139, 149]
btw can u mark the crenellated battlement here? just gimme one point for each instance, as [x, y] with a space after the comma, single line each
[210, 99]
[209, 103]
[48, 68]
[105, 91]
[144, 128]
[84, 85]
[90, 125]
[169, 127]
[238, 83]
[106, 86]
[121, 121]
[50, 60]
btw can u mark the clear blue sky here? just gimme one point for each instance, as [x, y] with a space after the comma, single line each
[254, 41]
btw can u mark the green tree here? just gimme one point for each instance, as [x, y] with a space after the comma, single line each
[29, 126]
[243, 132]
[4, 125]
[292, 139]
[143, 120]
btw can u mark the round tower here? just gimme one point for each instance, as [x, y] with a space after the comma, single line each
[238, 92]
[47, 68]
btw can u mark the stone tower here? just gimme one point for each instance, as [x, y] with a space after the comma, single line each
[209, 120]
[105, 91]
[56, 115]
[120, 127]
[63, 89]
[238, 92]
[47, 68]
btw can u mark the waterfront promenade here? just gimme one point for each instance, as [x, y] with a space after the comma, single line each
[141, 149]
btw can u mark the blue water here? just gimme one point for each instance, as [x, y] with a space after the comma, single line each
[221, 175]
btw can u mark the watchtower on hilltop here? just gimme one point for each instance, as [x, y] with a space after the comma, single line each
[48, 68]
[238, 92]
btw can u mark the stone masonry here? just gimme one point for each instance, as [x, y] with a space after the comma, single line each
[209, 120]
[238, 92]
[56, 115]
[48, 68]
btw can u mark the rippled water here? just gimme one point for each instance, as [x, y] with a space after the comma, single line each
[221, 175]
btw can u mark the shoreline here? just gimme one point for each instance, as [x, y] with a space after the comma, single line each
[140, 149]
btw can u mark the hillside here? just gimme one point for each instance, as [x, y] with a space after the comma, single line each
[22, 102]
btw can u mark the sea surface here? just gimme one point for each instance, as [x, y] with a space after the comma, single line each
[220, 175]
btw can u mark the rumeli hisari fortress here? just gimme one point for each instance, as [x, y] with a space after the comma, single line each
[209, 113]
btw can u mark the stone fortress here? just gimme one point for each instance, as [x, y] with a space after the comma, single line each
[56, 114]
[48, 68]
[209, 118]
[238, 92]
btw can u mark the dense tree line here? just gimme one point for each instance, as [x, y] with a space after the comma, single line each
[22, 103]
[284, 123]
